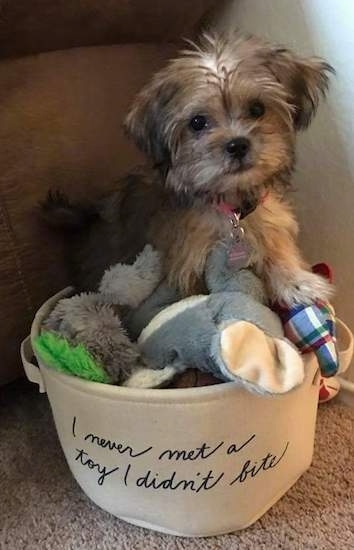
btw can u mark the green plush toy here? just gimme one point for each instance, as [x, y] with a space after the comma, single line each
[59, 354]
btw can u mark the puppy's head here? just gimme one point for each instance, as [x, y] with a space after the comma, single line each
[222, 118]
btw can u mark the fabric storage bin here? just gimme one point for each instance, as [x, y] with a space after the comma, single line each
[191, 462]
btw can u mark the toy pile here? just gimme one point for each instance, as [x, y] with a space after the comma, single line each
[136, 331]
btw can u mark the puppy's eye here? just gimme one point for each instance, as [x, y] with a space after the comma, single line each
[198, 123]
[256, 109]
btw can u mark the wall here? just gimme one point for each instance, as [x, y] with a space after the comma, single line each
[325, 173]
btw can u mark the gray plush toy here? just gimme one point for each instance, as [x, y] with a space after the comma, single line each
[229, 333]
[95, 321]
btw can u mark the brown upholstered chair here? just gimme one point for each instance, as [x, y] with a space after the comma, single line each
[68, 71]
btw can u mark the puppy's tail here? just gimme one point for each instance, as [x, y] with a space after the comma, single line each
[58, 212]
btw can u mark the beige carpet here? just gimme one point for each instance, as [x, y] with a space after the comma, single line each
[41, 507]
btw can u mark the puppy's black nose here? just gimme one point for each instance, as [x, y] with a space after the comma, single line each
[238, 147]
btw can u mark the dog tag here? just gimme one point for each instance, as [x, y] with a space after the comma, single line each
[239, 252]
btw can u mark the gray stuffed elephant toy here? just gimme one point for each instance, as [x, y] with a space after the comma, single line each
[229, 333]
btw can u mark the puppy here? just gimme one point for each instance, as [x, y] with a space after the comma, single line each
[219, 123]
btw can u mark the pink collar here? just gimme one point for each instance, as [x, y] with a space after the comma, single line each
[228, 210]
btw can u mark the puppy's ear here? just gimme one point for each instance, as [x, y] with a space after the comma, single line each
[148, 121]
[305, 79]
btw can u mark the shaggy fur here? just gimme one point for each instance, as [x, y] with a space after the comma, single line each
[240, 87]
[81, 318]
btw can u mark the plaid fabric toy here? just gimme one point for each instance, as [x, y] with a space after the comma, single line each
[312, 329]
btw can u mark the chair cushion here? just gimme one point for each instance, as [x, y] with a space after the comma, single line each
[61, 126]
[43, 25]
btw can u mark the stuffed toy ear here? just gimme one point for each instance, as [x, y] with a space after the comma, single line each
[130, 285]
[270, 365]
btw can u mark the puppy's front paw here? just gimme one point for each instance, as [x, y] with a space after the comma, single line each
[304, 288]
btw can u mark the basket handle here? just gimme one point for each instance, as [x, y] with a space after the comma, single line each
[33, 373]
[346, 345]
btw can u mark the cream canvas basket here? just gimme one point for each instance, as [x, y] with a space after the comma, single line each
[192, 462]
